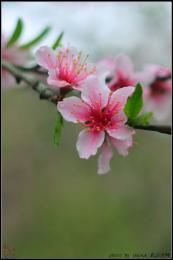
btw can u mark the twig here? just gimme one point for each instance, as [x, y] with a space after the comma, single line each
[42, 89]
[47, 93]
[157, 128]
[35, 69]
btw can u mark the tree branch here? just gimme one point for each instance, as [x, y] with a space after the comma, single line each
[46, 93]
[42, 89]
[157, 128]
[34, 69]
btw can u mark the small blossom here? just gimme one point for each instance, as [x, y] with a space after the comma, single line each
[119, 72]
[13, 55]
[100, 112]
[66, 66]
[157, 90]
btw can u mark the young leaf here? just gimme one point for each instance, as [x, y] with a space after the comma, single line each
[57, 130]
[58, 41]
[134, 103]
[143, 119]
[16, 33]
[37, 39]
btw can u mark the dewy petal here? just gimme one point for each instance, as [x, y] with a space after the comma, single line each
[121, 95]
[46, 58]
[124, 63]
[88, 142]
[121, 133]
[95, 92]
[104, 158]
[73, 109]
[122, 146]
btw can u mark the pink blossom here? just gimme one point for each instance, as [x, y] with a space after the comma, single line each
[13, 55]
[66, 66]
[100, 111]
[157, 90]
[119, 71]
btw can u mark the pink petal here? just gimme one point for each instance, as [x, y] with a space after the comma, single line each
[144, 77]
[121, 95]
[122, 146]
[158, 70]
[54, 81]
[73, 109]
[106, 67]
[95, 92]
[55, 84]
[104, 158]
[7, 79]
[88, 143]
[161, 108]
[124, 63]
[46, 58]
[121, 133]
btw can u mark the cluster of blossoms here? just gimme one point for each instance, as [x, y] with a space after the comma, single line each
[156, 81]
[104, 90]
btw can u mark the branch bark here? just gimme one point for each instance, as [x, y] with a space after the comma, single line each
[156, 128]
[42, 89]
[46, 93]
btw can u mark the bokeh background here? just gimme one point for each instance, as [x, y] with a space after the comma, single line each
[54, 205]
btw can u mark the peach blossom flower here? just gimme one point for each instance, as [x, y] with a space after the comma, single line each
[119, 71]
[157, 90]
[15, 56]
[100, 111]
[66, 66]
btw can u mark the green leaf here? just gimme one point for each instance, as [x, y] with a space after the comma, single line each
[16, 33]
[134, 103]
[143, 119]
[57, 130]
[37, 39]
[58, 41]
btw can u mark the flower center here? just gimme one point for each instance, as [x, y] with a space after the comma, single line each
[102, 119]
[73, 68]
[122, 81]
[159, 87]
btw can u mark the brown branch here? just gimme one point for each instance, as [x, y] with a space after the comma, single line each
[42, 89]
[156, 128]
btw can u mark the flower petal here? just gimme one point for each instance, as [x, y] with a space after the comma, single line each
[106, 67]
[121, 95]
[46, 58]
[54, 81]
[160, 107]
[95, 92]
[124, 63]
[7, 79]
[73, 109]
[122, 146]
[88, 142]
[104, 158]
[121, 133]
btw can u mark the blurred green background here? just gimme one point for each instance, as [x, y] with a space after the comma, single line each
[54, 205]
